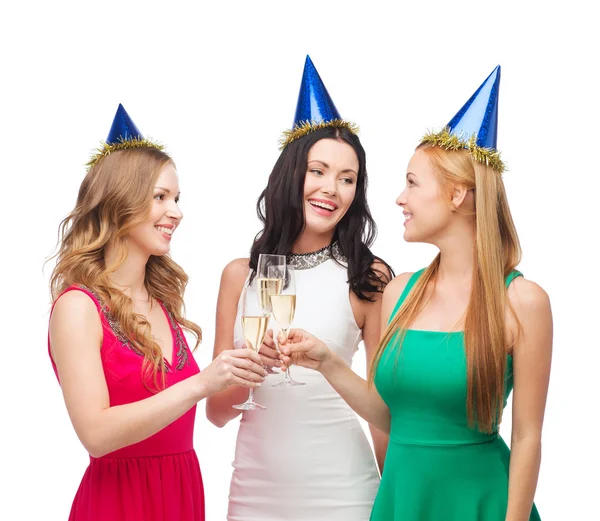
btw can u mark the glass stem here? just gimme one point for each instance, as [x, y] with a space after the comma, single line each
[287, 371]
[250, 396]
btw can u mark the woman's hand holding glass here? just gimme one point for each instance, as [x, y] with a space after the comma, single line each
[269, 354]
[303, 349]
[233, 367]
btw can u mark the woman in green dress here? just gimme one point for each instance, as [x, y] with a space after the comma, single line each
[458, 336]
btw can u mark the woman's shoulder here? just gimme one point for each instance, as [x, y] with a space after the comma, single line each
[75, 298]
[234, 276]
[527, 296]
[396, 286]
[75, 312]
[237, 268]
[531, 315]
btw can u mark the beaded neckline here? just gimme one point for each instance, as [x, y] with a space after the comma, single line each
[181, 354]
[306, 261]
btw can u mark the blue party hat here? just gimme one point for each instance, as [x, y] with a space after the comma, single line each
[475, 126]
[123, 128]
[123, 135]
[315, 109]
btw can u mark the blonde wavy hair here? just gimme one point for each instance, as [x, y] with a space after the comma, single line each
[115, 196]
[497, 253]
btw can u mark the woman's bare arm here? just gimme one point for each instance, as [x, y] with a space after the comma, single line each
[75, 339]
[532, 354]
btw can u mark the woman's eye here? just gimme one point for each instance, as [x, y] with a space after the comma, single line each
[317, 172]
[159, 197]
[348, 180]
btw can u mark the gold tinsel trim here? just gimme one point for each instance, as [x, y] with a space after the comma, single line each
[107, 148]
[449, 141]
[306, 127]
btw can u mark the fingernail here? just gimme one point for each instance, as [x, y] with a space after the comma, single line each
[258, 384]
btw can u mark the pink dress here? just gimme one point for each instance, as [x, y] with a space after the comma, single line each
[157, 479]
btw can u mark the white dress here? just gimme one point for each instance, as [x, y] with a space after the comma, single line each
[306, 457]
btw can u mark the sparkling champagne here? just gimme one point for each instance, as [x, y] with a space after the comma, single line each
[267, 288]
[283, 307]
[254, 329]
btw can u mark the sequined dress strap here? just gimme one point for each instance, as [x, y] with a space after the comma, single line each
[89, 293]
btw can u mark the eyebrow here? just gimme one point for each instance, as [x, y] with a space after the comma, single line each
[165, 190]
[327, 166]
[410, 173]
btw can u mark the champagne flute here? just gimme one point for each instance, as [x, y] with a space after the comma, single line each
[269, 278]
[283, 305]
[254, 327]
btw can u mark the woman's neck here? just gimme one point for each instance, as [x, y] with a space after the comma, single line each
[310, 242]
[130, 276]
[457, 254]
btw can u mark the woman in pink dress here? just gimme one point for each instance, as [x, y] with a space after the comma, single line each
[129, 380]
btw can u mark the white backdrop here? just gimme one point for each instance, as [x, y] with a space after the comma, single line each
[218, 83]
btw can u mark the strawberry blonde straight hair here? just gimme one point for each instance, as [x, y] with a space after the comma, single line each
[497, 253]
[114, 197]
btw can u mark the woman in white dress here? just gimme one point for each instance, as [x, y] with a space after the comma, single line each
[306, 456]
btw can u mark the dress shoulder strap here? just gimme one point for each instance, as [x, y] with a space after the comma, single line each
[409, 285]
[512, 276]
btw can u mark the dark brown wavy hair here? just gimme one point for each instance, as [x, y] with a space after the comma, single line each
[280, 208]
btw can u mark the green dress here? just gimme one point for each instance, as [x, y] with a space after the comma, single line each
[437, 468]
